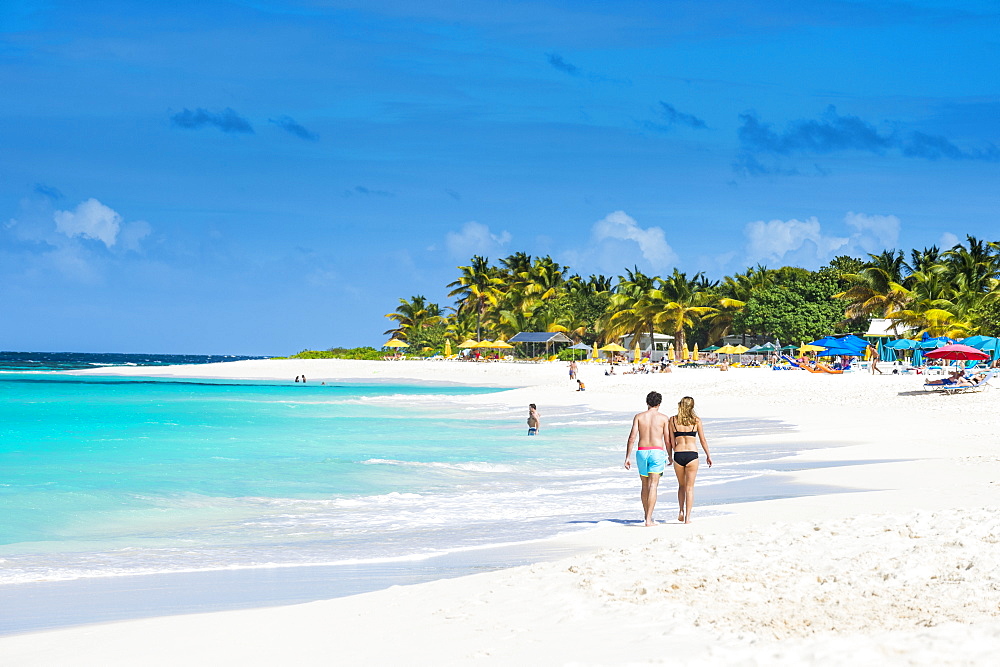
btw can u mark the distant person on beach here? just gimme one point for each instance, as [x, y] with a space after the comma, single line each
[581, 386]
[534, 421]
[296, 378]
[685, 429]
[572, 370]
[303, 379]
[875, 360]
[650, 432]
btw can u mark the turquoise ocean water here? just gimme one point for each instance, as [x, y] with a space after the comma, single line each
[103, 477]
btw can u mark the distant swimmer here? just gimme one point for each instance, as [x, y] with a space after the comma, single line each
[684, 429]
[534, 421]
[649, 430]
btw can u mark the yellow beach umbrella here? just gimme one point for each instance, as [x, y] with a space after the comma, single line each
[503, 345]
[636, 352]
[685, 355]
[694, 353]
[810, 348]
[395, 342]
[467, 344]
[670, 353]
[613, 347]
[447, 348]
[594, 350]
[725, 349]
[740, 349]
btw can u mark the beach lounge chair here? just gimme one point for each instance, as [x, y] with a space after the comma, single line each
[961, 386]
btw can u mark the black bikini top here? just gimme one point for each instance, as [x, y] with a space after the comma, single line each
[689, 434]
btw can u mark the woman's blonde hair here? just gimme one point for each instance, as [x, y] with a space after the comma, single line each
[685, 412]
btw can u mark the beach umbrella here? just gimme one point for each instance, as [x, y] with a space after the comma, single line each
[484, 344]
[395, 342]
[959, 352]
[613, 347]
[580, 346]
[670, 354]
[596, 355]
[694, 353]
[740, 349]
[447, 348]
[501, 344]
[934, 343]
[712, 348]
[635, 351]
[767, 347]
[685, 355]
[902, 344]
[789, 348]
[810, 348]
[467, 344]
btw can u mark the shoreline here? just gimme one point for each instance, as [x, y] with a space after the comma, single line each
[894, 429]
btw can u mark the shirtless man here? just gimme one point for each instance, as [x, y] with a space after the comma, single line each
[649, 428]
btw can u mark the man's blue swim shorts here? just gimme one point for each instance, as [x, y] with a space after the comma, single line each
[650, 460]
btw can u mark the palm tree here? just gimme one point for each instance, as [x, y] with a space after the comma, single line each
[687, 303]
[413, 316]
[476, 288]
[873, 293]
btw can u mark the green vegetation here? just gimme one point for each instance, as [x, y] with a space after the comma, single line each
[340, 353]
[953, 292]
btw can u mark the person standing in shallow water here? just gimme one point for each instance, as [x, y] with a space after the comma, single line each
[649, 431]
[683, 430]
[534, 421]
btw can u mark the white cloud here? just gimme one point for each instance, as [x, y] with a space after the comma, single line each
[948, 241]
[475, 239]
[803, 243]
[92, 220]
[873, 233]
[774, 241]
[652, 241]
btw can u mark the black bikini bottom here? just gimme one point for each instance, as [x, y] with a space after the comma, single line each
[684, 458]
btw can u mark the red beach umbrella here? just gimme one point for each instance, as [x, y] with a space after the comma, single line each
[959, 352]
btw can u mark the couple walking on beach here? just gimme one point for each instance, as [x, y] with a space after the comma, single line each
[666, 441]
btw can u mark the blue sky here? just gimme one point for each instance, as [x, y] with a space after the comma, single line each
[262, 177]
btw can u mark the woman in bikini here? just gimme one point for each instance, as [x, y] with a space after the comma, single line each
[684, 430]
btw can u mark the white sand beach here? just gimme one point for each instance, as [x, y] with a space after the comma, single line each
[903, 568]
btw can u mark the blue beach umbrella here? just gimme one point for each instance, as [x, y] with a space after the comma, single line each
[885, 353]
[902, 344]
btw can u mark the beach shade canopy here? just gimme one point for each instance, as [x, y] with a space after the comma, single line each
[849, 346]
[395, 342]
[789, 348]
[957, 351]
[712, 348]
[541, 337]
[754, 350]
[467, 344]
[988, 343]
[580, 346]
[768, 347]
[613, 347]
[902, 344]
[934, 343]
[503, 345]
